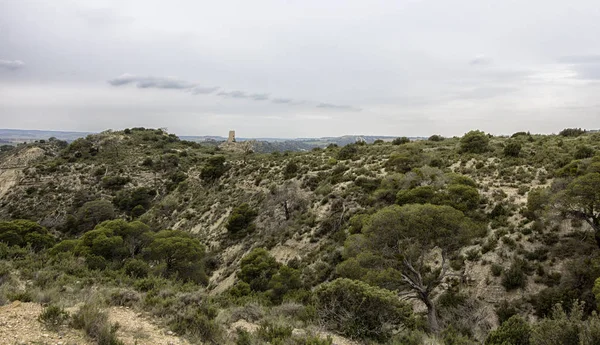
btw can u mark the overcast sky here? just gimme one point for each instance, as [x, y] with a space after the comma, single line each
[301, 68]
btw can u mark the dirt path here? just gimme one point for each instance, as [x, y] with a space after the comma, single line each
[19, 325]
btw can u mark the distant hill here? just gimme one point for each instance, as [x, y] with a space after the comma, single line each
[262, 144]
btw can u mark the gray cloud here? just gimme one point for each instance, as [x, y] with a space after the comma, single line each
[480, 60]
[486, 92]
[282, 100]
[586, 66]
[337, 107]
[199, 90]
[259, 96]
[11, 65]
[580, 59]
[233, 94]
[152, 82]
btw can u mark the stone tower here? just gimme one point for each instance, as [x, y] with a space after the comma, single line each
[231, 138]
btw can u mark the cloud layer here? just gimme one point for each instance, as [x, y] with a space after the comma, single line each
[169, 83]
[301, 68]
[11, 65]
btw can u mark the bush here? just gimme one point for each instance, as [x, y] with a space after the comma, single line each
[214, 169]
[515, 331]
[290, 170]
[91, 214]
[496, 270]
[512, 149]
[136, 268]
[400, 141]
[474, 142]
[95, 324]
[571, 132]
[273, 333]
[128, 200]
[22, 233]
[257, 268]
[514, 277]
[115, 182]
[583, 152]
[241, 219]
[53, 317]
[359, 310]
[436, 137]
[347, 152]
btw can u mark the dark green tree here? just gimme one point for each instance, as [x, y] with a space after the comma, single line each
[257, 268]
[474, 142]
[181, 253]
[25, 232]
[512, 149]
[401, 237]
[214, 169]
[581, 200]
[359, 310]
[91, 214]
[241, 219]
[400, 141]
[514, 331]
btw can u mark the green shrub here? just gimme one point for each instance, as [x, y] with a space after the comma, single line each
[347, 152]
[474, 142]
[22, 233]
[400, 141]
[512, 149]
[514, 331]
[91, 214]
[257, 268]
[94, 322]
[290, 170]
[496, 269]
[136, 268]
[115, 182]
[571, 132]
[514, 277]
[359, 310]
[274, 333]
[181, 253]
[214, 169]
[53, 317]
[583, 152]
[240, 220]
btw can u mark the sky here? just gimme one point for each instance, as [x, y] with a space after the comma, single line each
[301, 68]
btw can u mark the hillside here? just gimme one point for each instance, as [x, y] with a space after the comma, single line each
[435, 241]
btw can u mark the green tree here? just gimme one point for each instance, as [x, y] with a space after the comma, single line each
[257, 268]
[347, 152]
[565, 328]
[581, 200]
[214, 169]
[514, 331]
[400, 141]
[91, 214]
[241, 219]
[583, 152]
[23, 232]
[285, 280]
[512, 149]
[359, 310]
[401, 236]
[474, 142]
[290, 170]
[181, 253]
